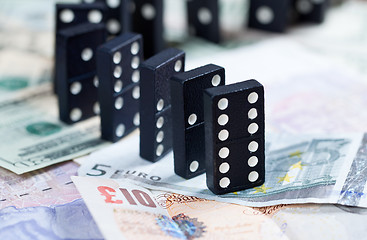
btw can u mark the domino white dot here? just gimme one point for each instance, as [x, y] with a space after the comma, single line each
[135, 77]
[223, 119]
[253, 161]
[118, 86]
[67, 16]
[253, 176]
[253, 97]
[223, 135]
[96, 81]
[160, 122]
[136, 120]
[159, 150]
[252, 114]
[223, 152]
[148, 11]
[113, 26]
[75, 88]
[96, 108]
[75, 114]
[160, 136]
[136, 92]
[135, 48]
[253, 128]
[135, 62]
[95, 16]
[117, 57]
[194, 166]
[160, 105]
[119, 103]
[205, 16]
[224, 182]
[120, 130]
[87, 54]
[265, 15]
[113, 3]
[223, 104]
[178, 65]
[253, 146]
[192, 119]
[117, 72]
[304, 6]
[216, 80]
[224, 168]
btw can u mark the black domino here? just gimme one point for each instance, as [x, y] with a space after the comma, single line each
[234, 136]
[270, 15]
[117, 15]
[76, 71]
[203, 17]
[188, 117]
[155, 103]
[118, 72]
[69, 15]
[311, 10]
[147, 19]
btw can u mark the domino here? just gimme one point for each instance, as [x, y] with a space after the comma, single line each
[203, 17]
[147, 19]
[269, 15]
[118, 63]
[234, 136]
[69, 15]
[310, 10]
[188, 117]
[155, 103]
[76, 71]
[117, 15]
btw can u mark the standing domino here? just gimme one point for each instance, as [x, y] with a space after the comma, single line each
[147, 19]
[118, 71]
[155, 103]
[234, 136]
[188, 117]
[311, 10]
[76, 71]
[270, 15]
[117, 15]
[203, 16]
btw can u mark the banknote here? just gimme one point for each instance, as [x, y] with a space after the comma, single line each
[299, 169]
[62, 221]
[35, 138]
[126, 211]
[44, 187]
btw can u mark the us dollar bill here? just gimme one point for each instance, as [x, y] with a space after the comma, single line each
[299, 169]
[34, 138]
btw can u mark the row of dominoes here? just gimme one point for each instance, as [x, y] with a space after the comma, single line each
[111, 79]
[146, 17]
[276, 15]
[213, 127]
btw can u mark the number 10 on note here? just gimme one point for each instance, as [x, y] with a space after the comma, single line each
[132, 197]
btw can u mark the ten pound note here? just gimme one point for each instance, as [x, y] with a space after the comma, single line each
[126, 211]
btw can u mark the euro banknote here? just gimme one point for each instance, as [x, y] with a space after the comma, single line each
[299, 169]
[126, 211]
[34, 138]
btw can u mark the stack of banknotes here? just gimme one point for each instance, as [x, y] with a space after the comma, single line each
[316, 141]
